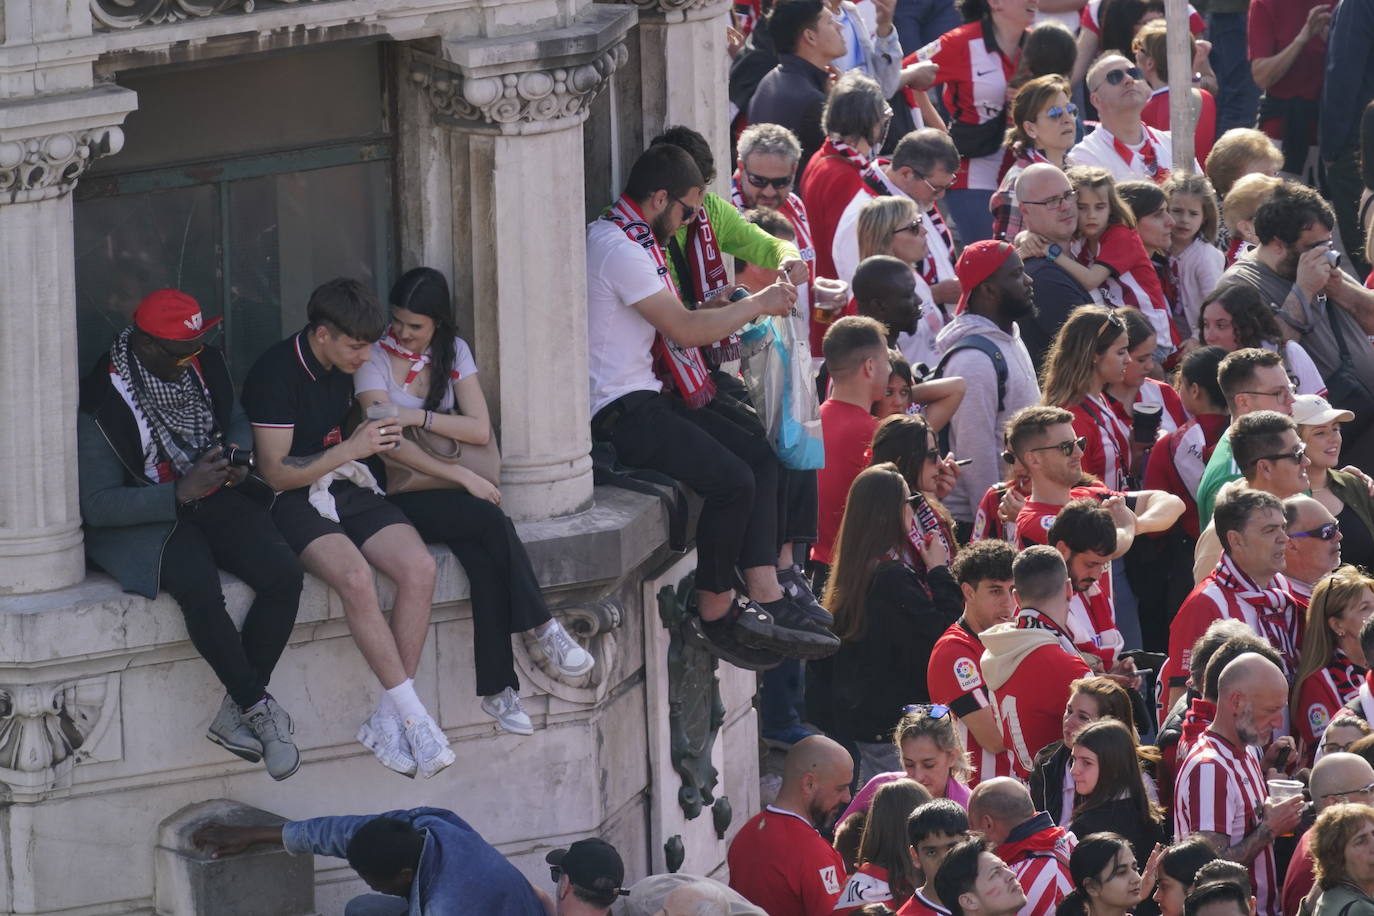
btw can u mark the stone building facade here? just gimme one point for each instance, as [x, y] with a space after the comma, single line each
[246, 150]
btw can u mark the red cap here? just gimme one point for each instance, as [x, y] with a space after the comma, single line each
[170, 314]
[978, 262]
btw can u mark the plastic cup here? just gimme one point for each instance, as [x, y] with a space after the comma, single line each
[1280, 789]
[382, 410]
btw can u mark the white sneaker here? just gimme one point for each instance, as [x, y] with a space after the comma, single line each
[567, 656]
[384, 735]
[506, 708]
[429, 744]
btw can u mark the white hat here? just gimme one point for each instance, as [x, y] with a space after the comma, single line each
[1315, 410]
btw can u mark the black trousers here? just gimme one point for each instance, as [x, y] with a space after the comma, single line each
[798, 507]
[505, 592]
[230, 531]
[734, 470]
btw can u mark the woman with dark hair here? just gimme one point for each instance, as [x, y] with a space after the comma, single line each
[427, 373]
[1236, 318]
[1090, 700]
[1110, 789]
[885, 872]
[1189, 448]
[891, 601]
[1106, 881]
[1341, 844]
[1088, 353]
[1175, 869]
[908, 442]
[1155, 226]
[1043, 128]
[1137, 385]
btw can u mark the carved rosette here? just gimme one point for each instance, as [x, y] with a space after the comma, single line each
[49, 166]
[538, 96]
[110, 15]
[43, 728]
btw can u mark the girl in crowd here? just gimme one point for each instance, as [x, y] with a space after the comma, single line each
[1239, 152]
[1110, 788]
[1051, 782]
[935, 400]
[1193, 255]
[1342, 493]
[1137, 386]
[1105, 879]
[424, 369]
[1342, 848]
[1175, 869]
[897, 395]
[908, 442]
[1155, 226]
[893, 226]
[1238, 210]
[1332, 664]
[891, 600]
[1236, 318]
[885, 872]
[932, 753]
[1043, 128]
[1088, 353]
[991, 34]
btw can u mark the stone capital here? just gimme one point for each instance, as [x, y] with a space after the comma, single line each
[47, 143]
[526, 84]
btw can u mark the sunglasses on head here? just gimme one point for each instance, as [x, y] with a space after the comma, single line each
[933, 710]
[759, 181]
[1324, 533]
[1118, 76]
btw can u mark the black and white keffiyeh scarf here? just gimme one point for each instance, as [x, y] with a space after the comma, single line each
[178, 414]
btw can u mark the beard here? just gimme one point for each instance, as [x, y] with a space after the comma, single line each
[1288, 267]
[659, 226]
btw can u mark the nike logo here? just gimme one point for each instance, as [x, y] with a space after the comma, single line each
[985, 72]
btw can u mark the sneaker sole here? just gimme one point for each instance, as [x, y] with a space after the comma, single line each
[763, 661]
[576, 672]
[799, 644]
[237, 750]
[368, 740]
[446, 760]
[294, 767]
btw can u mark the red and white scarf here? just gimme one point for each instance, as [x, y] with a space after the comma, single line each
[684, 364]
[845, 151]
[418, 361]
[1149, 156]
[794, 211]
[708, 275]
[928, 269]
[1278, 613]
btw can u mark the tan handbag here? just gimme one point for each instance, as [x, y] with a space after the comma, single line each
[482, 460]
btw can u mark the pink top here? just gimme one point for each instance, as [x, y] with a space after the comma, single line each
[955, 791]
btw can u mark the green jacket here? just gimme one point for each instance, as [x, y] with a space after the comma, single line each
[1221, 469]
[737, 238]
[1352, 491]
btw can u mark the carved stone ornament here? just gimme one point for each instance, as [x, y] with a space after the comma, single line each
[594, 624]
[695, 710]
[675, 6]
[43, 728]
[49, 166]
[127, 14]
[533, 96]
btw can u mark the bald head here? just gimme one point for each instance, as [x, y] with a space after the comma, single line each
[1247, 673]
[1338, 774]
[1003, 800]
[1040, 182]
[813, 755]
[1252, 697]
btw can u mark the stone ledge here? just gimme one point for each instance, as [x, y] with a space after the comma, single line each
[597, 28]
[95, 618]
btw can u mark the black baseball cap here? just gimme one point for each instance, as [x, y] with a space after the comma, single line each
[593, 865]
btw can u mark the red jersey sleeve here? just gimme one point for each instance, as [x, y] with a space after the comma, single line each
[1120, 250]
[1094, 455]
[1193, 618]
[821, 879]
[1172, 402]
[1030, 528]
[1314, 710]
[1263, 40]
[1207, 790]
[1087, 18]
[954, 677]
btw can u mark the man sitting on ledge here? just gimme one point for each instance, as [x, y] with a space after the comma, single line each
[636, 320]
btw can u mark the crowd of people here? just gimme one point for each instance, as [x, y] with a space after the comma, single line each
[1029, 459]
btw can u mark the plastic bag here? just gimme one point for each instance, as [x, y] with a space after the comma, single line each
[778, 375]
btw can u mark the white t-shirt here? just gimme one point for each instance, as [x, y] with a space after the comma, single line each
[1097, 149]
[619, 339]
[376, 375]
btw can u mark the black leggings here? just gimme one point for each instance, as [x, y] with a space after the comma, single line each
[505, 592]
[230, 531]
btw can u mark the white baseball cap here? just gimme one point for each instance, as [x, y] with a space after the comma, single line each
[1315, 410]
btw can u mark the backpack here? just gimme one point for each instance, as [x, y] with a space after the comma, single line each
[999, 365]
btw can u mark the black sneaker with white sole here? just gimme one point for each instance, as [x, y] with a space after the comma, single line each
[795, 587]
[792, 637]
[722, 639]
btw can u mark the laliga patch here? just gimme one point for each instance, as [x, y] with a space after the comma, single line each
[830, 880]
[1047, 522]
[966, 673]
[1317, 717]
[928, 51]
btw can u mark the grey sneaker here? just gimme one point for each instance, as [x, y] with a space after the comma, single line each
[505, 707]
[795, 586]
[568, 657]
[230, 732]
[273, 728]
[429, 744]
[384, 735]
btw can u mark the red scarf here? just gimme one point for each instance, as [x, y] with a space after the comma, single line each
[1149, 156]
[684, 364]
[1237, 248]
[1196, 720]
[856, 158]
[928, 271]
[927, 522]
[794, 211]
[1117, 435]
[707, 276]
[418, 361]
[1278, 614]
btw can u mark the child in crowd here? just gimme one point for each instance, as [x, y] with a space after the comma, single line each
[1239, 207]
[1154, 224]
[935, 399]
[1136, 385]
[1194, 259]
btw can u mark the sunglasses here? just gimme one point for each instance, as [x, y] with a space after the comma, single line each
[1118, 76]
[1066, 448]
[688, 213]
[1324, 533]
[177, 358]
[933, 710]
[1058, 111]
[1295, 456]
[1363, 790]
[916, 227]
[936, 189]
[759, 181]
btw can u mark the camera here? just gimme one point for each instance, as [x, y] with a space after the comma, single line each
[1333, 257]
[239, 457]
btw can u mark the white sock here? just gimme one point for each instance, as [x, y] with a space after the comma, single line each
[405, 701]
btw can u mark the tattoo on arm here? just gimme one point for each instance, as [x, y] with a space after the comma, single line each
[301, 461]
[1250, 846]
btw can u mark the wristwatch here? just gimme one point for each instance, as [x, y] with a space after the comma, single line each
[1053, 252]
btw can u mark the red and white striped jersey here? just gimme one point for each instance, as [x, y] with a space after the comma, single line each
[1321, 694]
[955, 679]
[1220, 788]
[1133, 281]
[1045, 882]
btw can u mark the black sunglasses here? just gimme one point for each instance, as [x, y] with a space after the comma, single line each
[1066, 448]
[1324, 533]
[916, 227]
[759, 181]
[1118, 76]
[1295, 457]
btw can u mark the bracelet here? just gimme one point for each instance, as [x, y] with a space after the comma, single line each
[429, 418]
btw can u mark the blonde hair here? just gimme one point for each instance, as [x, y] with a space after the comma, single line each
[919, 723]
[1152, 41]
[1092, 178]
[879, 220]
[1246, 196]
[1332, 596]
[1233, 151]
[1088, 332]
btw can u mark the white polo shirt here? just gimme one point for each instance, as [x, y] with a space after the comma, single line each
[619, 339]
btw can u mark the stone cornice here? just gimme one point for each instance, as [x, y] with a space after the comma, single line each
[674, 9]
[47, 143]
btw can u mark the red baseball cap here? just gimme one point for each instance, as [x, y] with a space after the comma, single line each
[170, 314]
[978, 262]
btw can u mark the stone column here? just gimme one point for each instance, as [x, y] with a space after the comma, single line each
[46, 142]
[683, 70]
[514, 109]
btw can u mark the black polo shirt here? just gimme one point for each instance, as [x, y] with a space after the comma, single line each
[287, 388]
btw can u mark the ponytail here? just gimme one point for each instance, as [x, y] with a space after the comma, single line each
[1075, 903]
